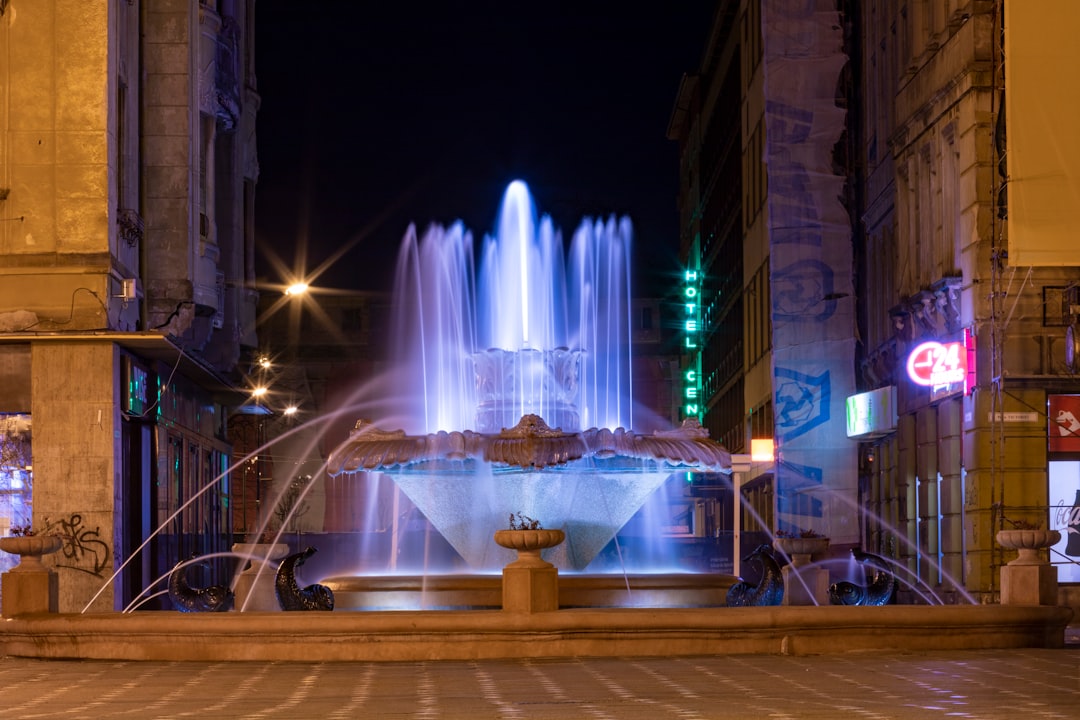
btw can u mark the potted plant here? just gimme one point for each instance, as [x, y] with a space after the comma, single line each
[528, 538]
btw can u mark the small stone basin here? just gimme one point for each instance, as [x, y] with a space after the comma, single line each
[528, 544]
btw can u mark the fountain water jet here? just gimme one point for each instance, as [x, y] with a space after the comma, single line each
[522, 371]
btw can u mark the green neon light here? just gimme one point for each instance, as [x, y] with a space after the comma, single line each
[691, 327]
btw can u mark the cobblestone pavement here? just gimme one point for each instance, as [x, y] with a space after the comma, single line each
[970, 684]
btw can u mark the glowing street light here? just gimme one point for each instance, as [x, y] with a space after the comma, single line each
[297, 288]
[762, 450]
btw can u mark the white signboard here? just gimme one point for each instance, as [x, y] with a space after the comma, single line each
[871, 414]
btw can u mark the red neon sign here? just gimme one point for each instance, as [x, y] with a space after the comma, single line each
[934, 364]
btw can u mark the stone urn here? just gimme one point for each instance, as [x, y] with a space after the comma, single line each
[30, 548]
[1028, 543]
[801, 549]
[1028, 580]
[530, 583]
[529, 544]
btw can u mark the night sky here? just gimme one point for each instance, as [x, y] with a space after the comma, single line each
[378, 114]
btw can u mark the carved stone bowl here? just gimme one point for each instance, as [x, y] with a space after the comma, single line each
[528, 544]
[801, 549]
[30, 548]
[1027, 543]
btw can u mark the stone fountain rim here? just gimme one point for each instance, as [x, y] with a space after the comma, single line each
[477, 634]
[529, 444]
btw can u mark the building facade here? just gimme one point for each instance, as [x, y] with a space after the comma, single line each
[950, 344]
[944, 255]
[128, 161]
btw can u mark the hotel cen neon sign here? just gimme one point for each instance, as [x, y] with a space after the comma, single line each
[691, 324]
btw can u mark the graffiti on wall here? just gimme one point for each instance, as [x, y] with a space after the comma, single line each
[83, 550]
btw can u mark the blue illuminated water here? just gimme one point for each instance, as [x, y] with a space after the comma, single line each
[487, 334]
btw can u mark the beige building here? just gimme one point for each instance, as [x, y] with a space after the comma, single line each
[127, 176]
[944, 263]
[960, 255]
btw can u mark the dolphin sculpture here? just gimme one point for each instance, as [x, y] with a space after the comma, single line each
[878, 592]
[185, 598]
[291, 596]
[770, 591]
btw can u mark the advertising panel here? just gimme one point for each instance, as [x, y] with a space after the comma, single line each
[1065, 518]
[872, 415]
[1063, 414]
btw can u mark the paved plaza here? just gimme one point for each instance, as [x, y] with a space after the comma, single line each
[969, 684]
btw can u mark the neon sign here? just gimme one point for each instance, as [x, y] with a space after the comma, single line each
[692, 372]
[934, 363]
[946, 367]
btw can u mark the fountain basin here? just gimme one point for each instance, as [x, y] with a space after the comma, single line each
[588, 500]
[484, 592]
[471, 635]
[587, 484]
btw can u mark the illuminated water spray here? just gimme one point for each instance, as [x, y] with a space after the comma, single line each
[514, 387]
[533, 331]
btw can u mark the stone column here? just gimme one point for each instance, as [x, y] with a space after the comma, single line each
[805, 585]
[530, 589]
[255, 584]
[77, 473]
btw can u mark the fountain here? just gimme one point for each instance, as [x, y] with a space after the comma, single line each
[524, 391]
[528, 421]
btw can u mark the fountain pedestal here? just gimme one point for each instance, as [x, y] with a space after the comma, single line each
[254, 589]
[1029, 579]
[804, 584]
[530, 583]
[30, 587]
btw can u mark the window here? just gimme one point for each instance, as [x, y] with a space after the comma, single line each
[16, 479]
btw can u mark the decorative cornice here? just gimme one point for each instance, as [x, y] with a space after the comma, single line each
[933, 312]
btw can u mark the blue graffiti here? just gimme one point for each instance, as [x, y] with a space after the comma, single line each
[803, 290]
[802, 402]
[794, 484]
